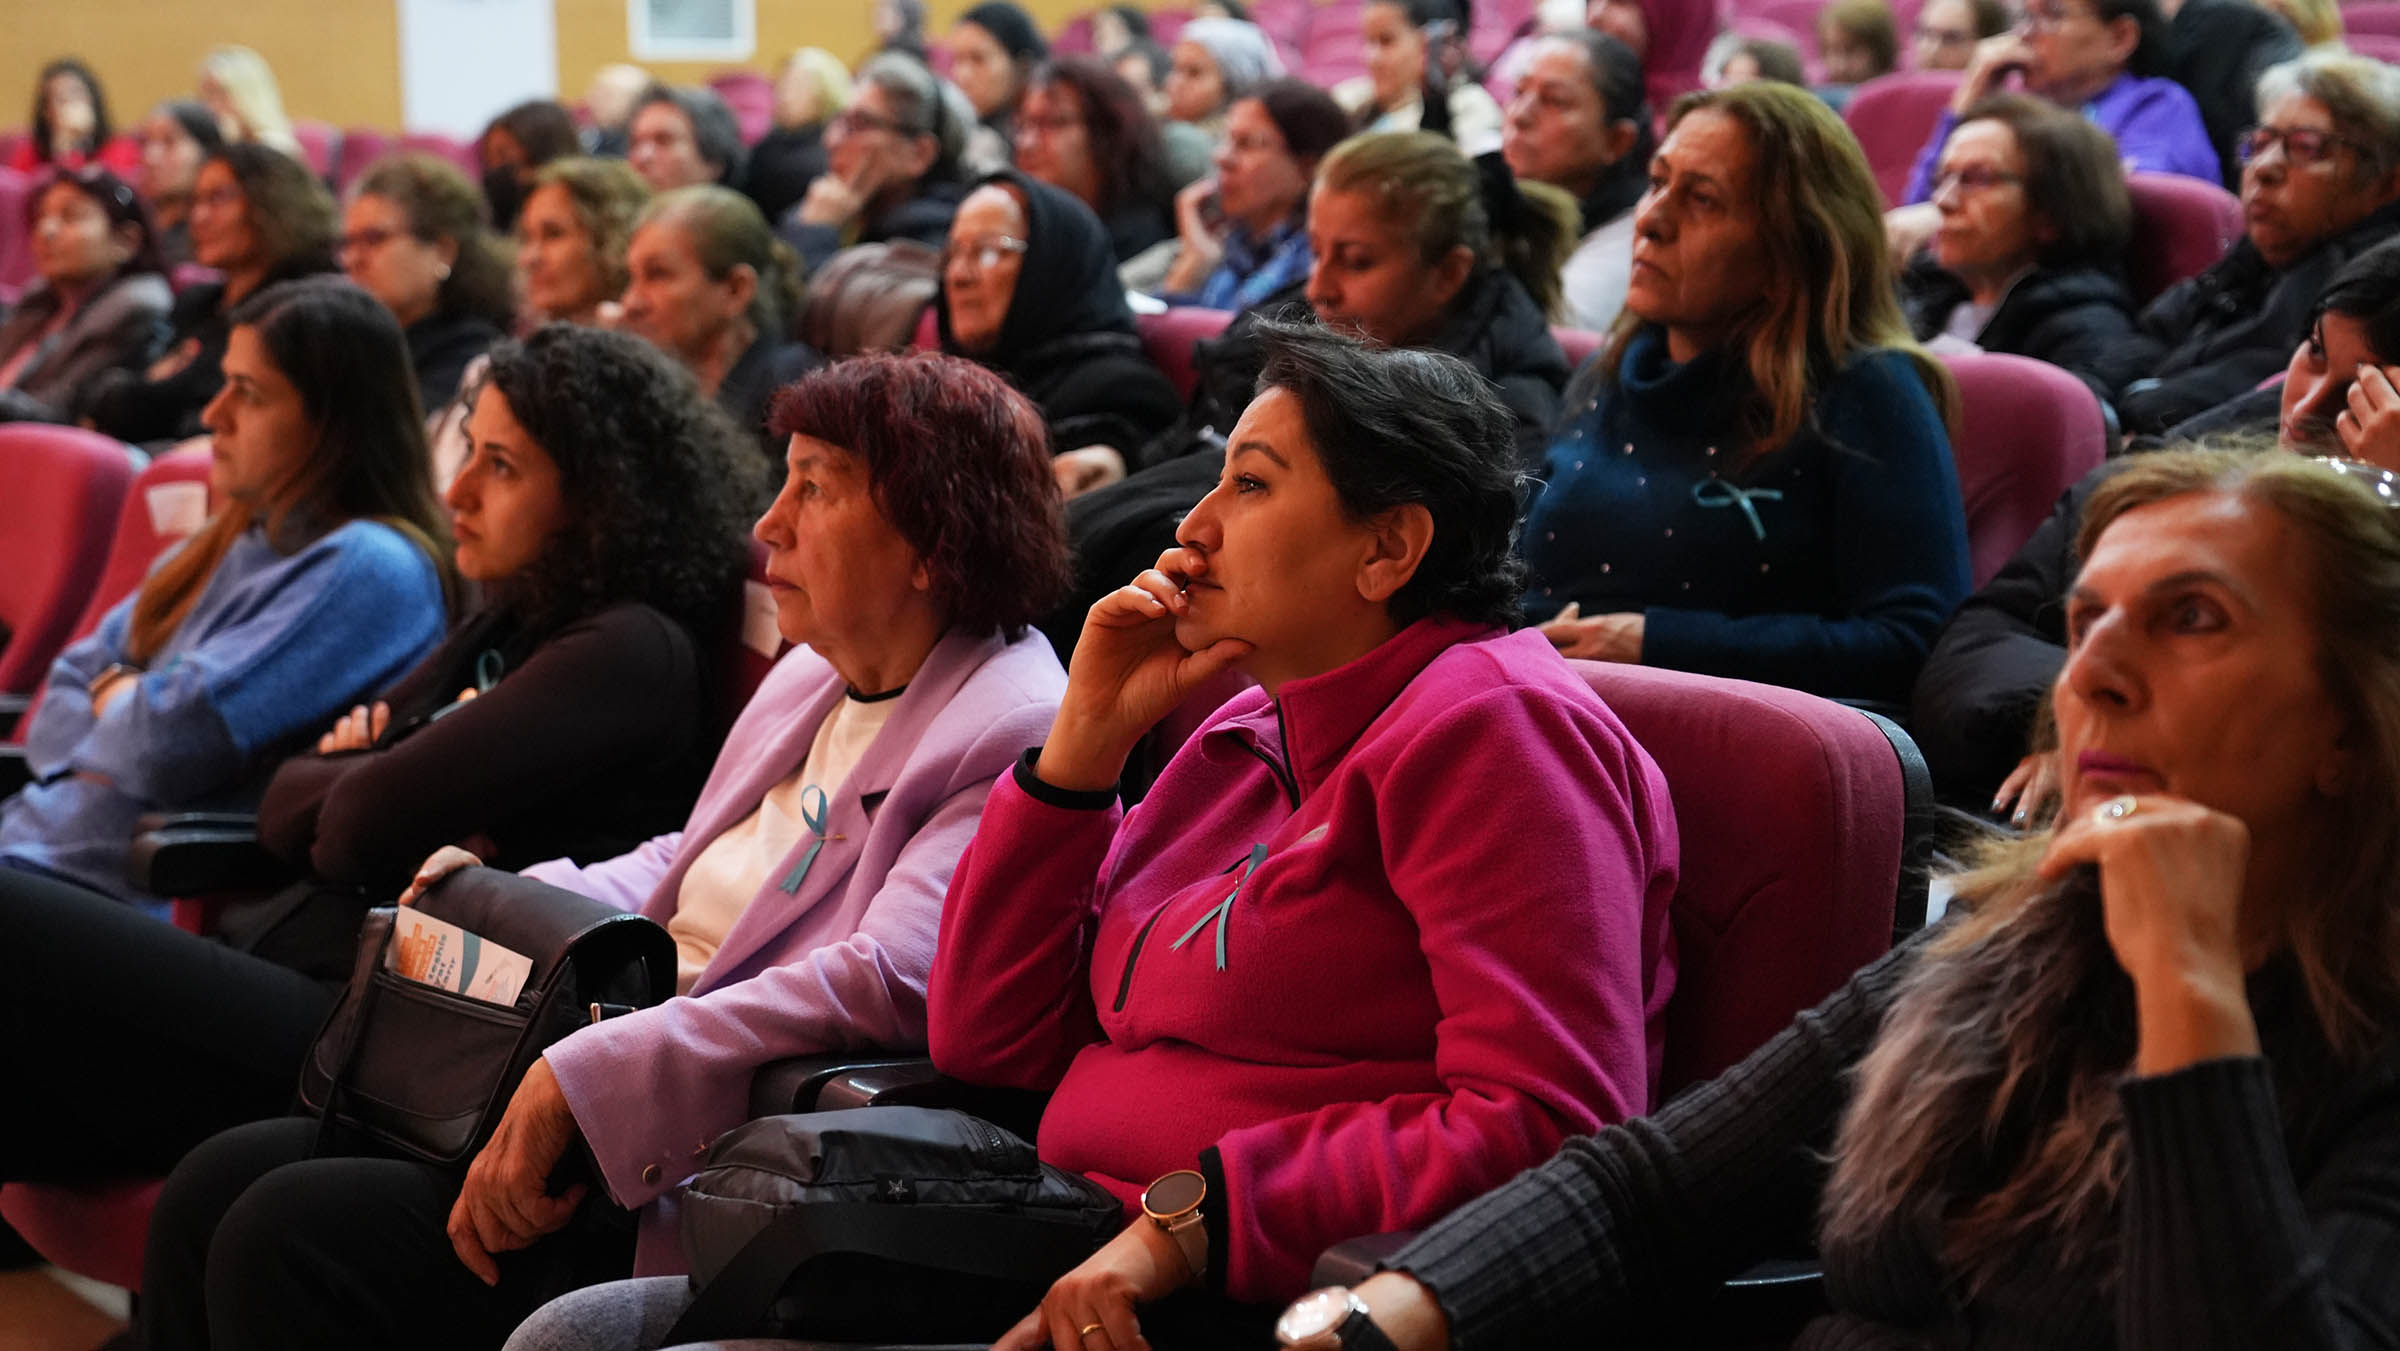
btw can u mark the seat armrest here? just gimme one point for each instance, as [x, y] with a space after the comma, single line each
[207, 854]
[12, 708]
[796, 1083]
[15, 770]
[916, 1083]
[1353, 1260]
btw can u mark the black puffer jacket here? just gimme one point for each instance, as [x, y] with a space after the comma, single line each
[2078, 319]
[2232, 326]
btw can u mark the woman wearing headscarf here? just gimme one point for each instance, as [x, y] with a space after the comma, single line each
[1030, 290]
[1215, 63]
[993, 49]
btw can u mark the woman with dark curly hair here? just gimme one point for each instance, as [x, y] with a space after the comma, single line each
[414, 236]
[916, 537]
[1082, 128]
[601, 514]
[259, 217]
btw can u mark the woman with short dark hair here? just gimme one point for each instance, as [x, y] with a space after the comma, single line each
[101, 303]
[683, 137]
[258, 217]
[916, 535]
[2029, 258]
[515, 146]
[1338, 1048]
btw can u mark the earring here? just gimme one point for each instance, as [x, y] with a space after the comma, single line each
[441, 272]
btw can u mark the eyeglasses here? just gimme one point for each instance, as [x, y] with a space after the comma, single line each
[1253, 145]
[1972, 179]
[2041, 18]
[2301, 145]
[852, 121]
[1944, 37]
[983, 254]
[221, 198]
[369, 239]
[2380, 481]
[1047, 126]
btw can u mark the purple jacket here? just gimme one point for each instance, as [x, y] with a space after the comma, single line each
[1367, 949]
[2156, 123]
[843, 964]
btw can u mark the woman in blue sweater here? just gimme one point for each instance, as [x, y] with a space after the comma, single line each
[1753, 479]
[321, 578]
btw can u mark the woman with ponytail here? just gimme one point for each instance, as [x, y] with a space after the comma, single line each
[322, 577]
[2142, 1088]
[715, 289]
[1754, 478]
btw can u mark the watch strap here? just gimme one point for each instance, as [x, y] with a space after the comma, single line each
[1359, 1332]
[1191, 1236]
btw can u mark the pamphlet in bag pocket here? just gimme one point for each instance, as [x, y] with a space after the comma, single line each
[426, 1065]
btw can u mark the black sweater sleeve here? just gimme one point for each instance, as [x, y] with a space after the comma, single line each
[618, 689]
[1622, 1223]
[1980, 688]
[2224, 1248]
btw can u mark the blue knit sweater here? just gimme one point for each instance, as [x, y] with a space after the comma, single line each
[275, 646]
[1827, 564]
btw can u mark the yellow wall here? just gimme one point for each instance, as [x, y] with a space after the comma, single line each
[338, 60]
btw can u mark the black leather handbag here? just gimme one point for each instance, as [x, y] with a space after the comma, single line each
[427, 1073]
[884, 1224]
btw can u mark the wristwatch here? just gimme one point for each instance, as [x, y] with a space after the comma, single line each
[1173, 1204]
[1331, 1319]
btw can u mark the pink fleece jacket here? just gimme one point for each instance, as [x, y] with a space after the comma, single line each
[1370, 947]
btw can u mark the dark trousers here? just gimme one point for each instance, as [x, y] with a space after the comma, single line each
[256, 1245]
[125, 1041]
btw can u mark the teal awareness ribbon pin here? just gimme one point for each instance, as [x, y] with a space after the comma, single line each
[1716, 492]
[1223, 909]
[812, 815]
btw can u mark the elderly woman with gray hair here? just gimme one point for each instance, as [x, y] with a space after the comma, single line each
[1213, 64]
[2320, 179]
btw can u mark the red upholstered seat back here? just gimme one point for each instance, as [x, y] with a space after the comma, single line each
[2181, 227]
[17, 269]
[1580, 345]
[318, 143]
[2027, 432]
[1792, 813]
[1892, 117]
[458, 152]
[361, 146]
[755, 643]
[2378, 17]
[751, 97]
[65, 486]
[1168, 340]
[92, 1229]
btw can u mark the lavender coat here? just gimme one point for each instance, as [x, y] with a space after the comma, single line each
[842, 964]
[2156, 124]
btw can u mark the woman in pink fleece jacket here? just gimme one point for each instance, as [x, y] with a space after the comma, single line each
[1386, 931]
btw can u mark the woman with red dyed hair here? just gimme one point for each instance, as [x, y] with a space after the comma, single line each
[917, 535]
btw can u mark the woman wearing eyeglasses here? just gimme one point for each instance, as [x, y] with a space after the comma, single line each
[2027, 258]
[2320, 179]
[413, 236]
[1030, 290]
[2105, 58]
[258, 217]
[101, 303]
[1082, 128]
[891, 166]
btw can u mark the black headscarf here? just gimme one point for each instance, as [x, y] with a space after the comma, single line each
[1012, 28]
[1067, 286]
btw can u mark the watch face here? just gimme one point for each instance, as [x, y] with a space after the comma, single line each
[1313, 1314]
[1174, 1194]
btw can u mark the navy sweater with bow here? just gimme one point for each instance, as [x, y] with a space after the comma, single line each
[1826, 564]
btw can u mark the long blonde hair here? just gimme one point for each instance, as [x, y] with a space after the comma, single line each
[1988, 1110]
[256, 99]
[1821, 228]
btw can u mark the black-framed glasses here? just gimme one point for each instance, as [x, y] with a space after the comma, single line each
[984, 253]
[2380, 481]
[372, 238]
[851, 121]
[2301, 145]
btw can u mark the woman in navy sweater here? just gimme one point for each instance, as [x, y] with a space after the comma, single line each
[1754, 478]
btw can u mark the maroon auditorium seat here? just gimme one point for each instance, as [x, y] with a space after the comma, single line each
[319, 143]
[1892, 117]
[1167, 340]
[2181, 227]
[65, 486]
[751, 97]
[2380, 18]
[361, 146]
[2027, 432]
[1580, 345]
[458, 152]
[16, 242]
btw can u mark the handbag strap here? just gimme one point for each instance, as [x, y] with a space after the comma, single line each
[348, 1063]
[969, 1242]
